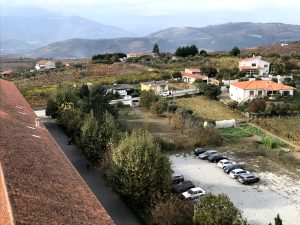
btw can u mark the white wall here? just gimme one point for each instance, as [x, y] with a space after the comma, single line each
[259, 63]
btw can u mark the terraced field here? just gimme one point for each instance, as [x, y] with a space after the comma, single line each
[209, 109]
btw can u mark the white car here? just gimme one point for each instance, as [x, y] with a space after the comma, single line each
[236, 172]
[193, 193]
[225, 162]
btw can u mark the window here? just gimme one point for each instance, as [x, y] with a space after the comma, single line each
[251, 92]
[253, 64]
[259, 93]
[266, 65]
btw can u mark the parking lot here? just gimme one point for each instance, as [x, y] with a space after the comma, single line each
[259, 202]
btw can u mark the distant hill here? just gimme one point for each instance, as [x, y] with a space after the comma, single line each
[37, 28]
[86, 48]
[211, 38]
[226, 36]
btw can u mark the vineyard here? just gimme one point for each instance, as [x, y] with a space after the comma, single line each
[72, 74]
[208, 109]
[37, 89]
[285, 127]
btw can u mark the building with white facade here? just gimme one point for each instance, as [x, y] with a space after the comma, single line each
[45, 65]
[248, 90]
[254, 66]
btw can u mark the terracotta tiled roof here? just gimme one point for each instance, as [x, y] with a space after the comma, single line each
[42, 185]
[250, 68]
[262, 85]
[41, 62]
[6, 72]
[196, 76]
[194, 69]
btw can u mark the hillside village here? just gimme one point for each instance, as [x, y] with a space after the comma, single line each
[210, 123]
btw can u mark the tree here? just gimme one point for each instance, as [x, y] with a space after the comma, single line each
[257, 105]
[159, 107]
[166, 212]
[155, 48]
[84, 91]
[147, 98]
[176, 75]
[52, 108]
[139, 171]
[59, 64]
[235, 51]
[187, 51]
[95, 136]
[209, 70]
[203, 53]
[99, 102]
[278, 220]
[217, 209]
[210, 90]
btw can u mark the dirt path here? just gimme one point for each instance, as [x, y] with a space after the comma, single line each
[297, 147]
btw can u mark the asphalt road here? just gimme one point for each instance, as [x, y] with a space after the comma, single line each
[113, 204]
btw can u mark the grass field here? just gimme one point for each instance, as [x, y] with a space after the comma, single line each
[208, 109]
[284, 127]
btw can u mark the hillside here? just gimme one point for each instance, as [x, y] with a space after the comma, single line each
[212, 38]
[291, 48]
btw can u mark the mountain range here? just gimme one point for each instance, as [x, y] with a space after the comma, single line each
[49, 35]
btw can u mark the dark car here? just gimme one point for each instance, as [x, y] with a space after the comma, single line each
[248, 178]
[177, 178]
[199, 151]
[183, 186]
[230, 167]
[206, 154]
[216, 157]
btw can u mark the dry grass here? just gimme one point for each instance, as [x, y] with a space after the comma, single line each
[208, 109]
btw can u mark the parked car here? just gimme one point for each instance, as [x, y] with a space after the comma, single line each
[183, 186]
[248, 178]
[199, 151]
[216, 157]
[230, 167]
[237, 172]
[225, 162]
[206, 154]
[193, 193]
[177, 178]
[166, 93]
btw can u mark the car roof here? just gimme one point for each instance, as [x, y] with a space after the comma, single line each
[224, 160]
[237, 170]
[197, 189]
[211, 151]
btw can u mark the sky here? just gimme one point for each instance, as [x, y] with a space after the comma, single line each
[157, 14]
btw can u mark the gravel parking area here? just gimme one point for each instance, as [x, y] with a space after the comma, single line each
[259, 202]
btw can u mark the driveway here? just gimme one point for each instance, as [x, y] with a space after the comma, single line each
[113, 204]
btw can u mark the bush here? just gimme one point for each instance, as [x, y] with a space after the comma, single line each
[257, 106]
[217, 209]
[159, 107]
[172, 211]
[52, 108]
[270, 142]
[147, 98]
[233, 104]
[139, 171]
